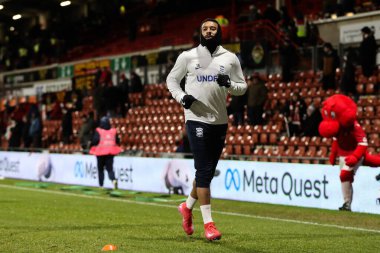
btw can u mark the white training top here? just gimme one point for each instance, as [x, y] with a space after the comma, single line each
[201, 70]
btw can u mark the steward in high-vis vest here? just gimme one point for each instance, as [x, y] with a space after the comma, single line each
[105, 147]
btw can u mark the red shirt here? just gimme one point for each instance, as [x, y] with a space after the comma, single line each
[349, 138]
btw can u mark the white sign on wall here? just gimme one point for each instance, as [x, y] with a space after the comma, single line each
[351, 33]
[52, 86]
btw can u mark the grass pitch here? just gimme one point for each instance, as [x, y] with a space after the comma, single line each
[55, 218]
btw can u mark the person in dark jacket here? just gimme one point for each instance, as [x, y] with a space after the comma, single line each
[348, 82]
[312, 121]
[87, 131]
[368, 51]
[237, 108]
[330, 63]
[136, 84]
[105, 147]
[288, 59]
[295, 114]
[256, 98]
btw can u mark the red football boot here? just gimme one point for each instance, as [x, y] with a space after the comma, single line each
[211, 233]
[187, 218]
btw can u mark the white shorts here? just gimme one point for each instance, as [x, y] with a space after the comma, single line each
[343, 166]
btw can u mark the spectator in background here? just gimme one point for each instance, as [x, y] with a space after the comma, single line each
[368, 52]
[56, 111]
[124, 91]
[113, 98]
[136, 84]
[272, 14]
[256, 98]
[77, 98]
[16, 129]
[26, 138]
[285, 18]
[67, 123]
[99, 100]
[104, 146]
[254, 13]
[312, 32]
[300, 22]
[3, 122]
[87, 130]
[295, 113]
[288, 58]
[312, 120]
[348, 81]
[98, 74]
[237, 108]
[330, 63]
[35, 129]
[106, 77]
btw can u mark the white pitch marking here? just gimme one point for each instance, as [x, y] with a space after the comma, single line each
[218, 212]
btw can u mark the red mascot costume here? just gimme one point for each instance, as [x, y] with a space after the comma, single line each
[349, 142]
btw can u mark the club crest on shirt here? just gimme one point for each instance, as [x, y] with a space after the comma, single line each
[221, 69]
[197, 66]
[199, 132]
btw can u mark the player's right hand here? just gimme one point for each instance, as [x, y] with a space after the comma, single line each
[332, 158]
[187, 101]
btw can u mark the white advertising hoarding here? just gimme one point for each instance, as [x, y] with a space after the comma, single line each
[307, 185]
[52, 86]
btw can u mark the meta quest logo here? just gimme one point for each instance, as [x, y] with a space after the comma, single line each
[287, 185]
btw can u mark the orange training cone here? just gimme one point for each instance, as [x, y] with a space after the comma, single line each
[109, 247]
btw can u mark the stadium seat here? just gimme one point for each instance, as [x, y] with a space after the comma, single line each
[360, 88]
[369, 88]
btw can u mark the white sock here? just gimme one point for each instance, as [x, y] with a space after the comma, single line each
[206, 213]
[190, 202]
[347, 192]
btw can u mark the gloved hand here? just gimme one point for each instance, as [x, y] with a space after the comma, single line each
[332, 158]
[223, 80]
[187, 101]
[351, 160]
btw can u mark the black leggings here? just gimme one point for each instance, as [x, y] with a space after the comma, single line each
[206, 142]
[105, 162]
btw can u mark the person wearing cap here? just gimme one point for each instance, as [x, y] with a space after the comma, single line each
[330, 64]
[212, 73]
[367, 52]
[104, 146]
[256, 98]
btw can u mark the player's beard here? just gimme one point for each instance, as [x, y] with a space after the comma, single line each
[211, 44]
[215, 41]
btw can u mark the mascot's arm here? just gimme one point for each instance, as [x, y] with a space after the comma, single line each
[359, 152]
[334, 151]
[371, 160]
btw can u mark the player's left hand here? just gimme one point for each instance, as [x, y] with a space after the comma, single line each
[351, 160]
[223, 80]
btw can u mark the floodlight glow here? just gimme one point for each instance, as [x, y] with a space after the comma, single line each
[11, 28]
[1, 6]
[65, 3]
[17, 16]
[334, 16]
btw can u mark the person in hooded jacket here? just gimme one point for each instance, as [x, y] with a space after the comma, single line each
[104, 146]
[211, 73]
